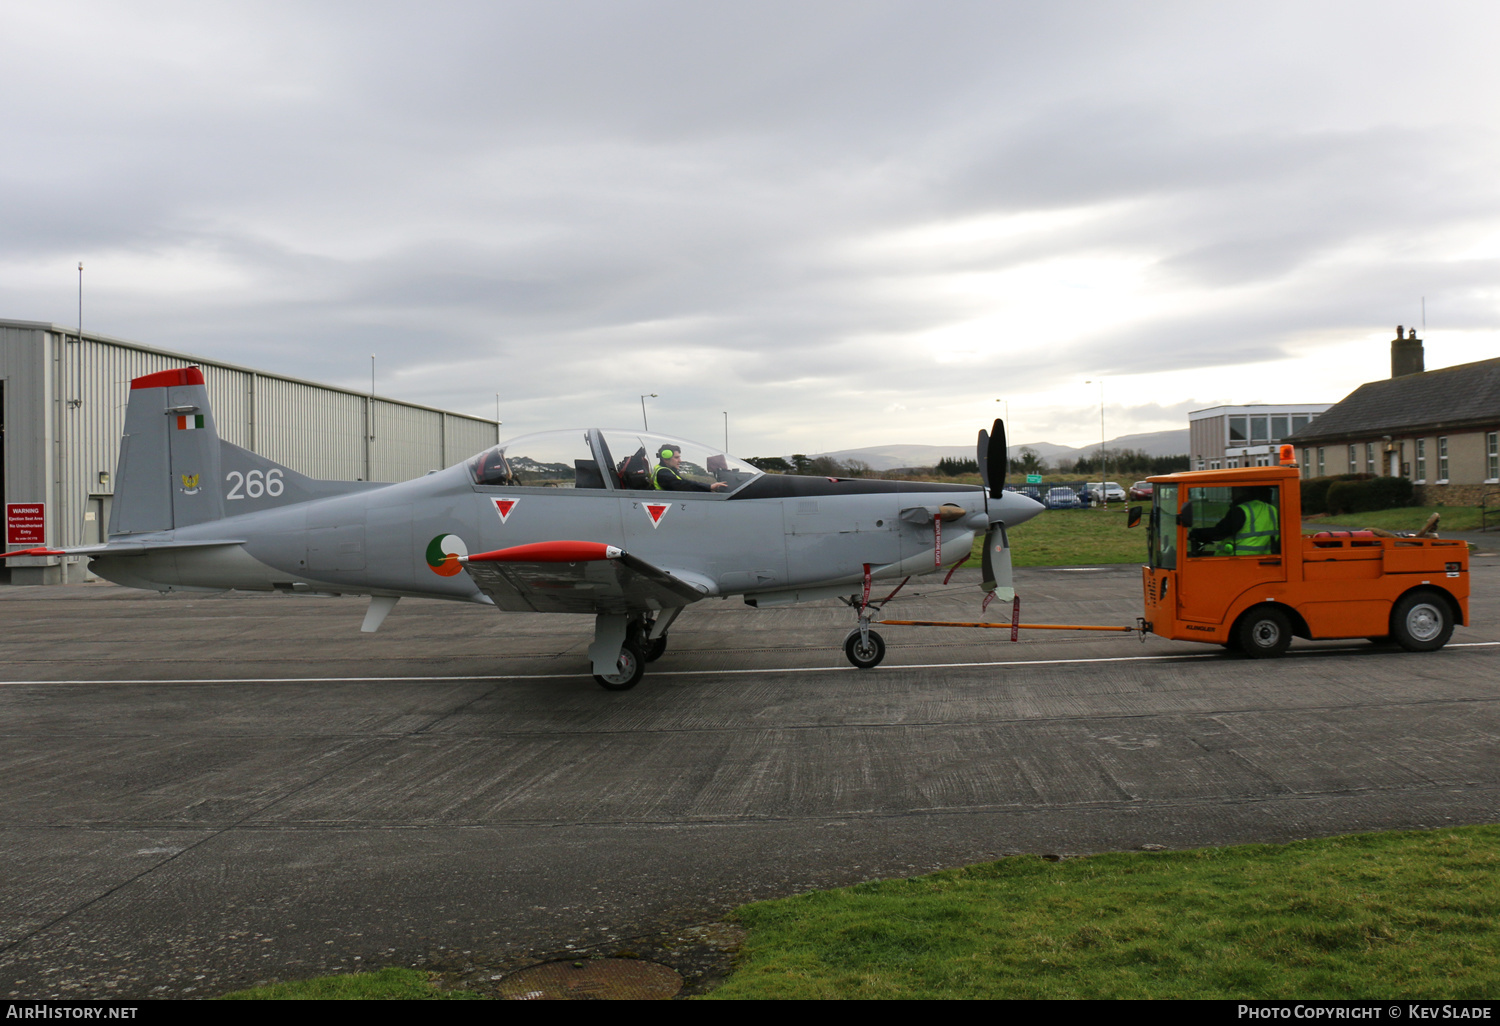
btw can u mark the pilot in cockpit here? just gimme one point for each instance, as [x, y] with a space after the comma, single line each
[668, 476]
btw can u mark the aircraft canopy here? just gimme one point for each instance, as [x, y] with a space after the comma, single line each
[609, 458]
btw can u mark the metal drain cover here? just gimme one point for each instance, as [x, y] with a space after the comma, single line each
[593, 979]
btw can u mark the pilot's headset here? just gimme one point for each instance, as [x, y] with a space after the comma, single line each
[666, 452]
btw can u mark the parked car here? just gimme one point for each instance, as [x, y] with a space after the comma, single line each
[1141, 490]
[1062, 498]
[1112, 491]
[1031, 492]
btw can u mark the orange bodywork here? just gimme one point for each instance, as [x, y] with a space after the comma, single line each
[1330, 587]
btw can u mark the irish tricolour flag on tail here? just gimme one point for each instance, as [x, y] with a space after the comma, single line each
[190, 422]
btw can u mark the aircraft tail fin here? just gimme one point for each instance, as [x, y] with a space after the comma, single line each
[175, 470]
[168, 474]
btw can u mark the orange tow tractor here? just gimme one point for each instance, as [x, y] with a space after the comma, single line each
[1229, 565]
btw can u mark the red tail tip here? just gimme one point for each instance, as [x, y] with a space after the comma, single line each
[169, 378]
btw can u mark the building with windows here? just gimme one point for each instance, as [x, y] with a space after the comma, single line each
[1244, 436]
[1440, 428]
[62, 411]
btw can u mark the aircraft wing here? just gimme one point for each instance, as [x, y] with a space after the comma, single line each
[576, 577]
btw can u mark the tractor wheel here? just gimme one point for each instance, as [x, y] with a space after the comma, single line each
[1422, 621]
[1263, 632]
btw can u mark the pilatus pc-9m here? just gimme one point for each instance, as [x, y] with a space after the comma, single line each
[575, 521]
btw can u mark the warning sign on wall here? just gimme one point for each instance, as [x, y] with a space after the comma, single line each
[25, 524]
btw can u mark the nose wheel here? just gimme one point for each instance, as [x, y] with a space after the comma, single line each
[864, 648]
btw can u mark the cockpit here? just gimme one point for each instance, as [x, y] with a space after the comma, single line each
[608, 459]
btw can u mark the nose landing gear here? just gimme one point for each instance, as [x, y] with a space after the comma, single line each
[863, 647]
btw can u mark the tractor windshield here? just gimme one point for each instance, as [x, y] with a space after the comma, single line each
[1163, 527]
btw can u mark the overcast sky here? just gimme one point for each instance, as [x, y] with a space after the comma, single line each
[846, 224]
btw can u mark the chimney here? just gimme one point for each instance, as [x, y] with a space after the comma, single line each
[1406, 353]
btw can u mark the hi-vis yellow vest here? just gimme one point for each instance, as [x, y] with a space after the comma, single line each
[658, 469]
[1258, 536]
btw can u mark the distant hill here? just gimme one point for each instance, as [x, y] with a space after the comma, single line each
[891, 457]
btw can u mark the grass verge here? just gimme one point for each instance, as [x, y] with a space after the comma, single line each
[1074, 537]
[1387, 915]
[389, 984]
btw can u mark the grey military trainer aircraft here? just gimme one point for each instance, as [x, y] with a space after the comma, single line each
[629, 527]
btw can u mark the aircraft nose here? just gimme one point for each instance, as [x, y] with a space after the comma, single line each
[1014, 508]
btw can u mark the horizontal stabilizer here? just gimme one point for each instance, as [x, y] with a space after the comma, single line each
[121, 548]
[34, 552]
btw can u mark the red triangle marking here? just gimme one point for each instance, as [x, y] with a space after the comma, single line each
[504, 506]
[656, 510]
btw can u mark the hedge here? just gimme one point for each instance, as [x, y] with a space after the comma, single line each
[1360, 494]
[1315, 491]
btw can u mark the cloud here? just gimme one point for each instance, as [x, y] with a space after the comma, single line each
[836, 220]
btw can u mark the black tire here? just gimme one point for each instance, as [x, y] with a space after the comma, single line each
[1422, 621]
[1263, 632]
[864, 655]
[654, 650]
[632, 667]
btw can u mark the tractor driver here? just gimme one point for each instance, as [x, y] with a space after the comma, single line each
[668, 477]
[1250, 528]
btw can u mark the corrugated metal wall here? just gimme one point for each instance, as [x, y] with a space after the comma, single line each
[318, 432]
[314, 429]
[465, 436]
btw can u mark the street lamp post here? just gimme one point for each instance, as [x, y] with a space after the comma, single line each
[726, 432]
[645, 426]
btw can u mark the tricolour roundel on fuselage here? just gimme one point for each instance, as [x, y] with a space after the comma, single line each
[443, 552]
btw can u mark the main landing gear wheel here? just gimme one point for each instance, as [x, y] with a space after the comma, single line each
[655, 649]
[1263, 632]
[1422, 622]
[631, 668]
[864, 654]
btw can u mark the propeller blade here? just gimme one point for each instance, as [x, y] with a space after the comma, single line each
[983, 458]
[995, 565]
[997, 459]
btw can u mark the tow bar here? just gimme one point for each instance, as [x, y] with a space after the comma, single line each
[1141, 627]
